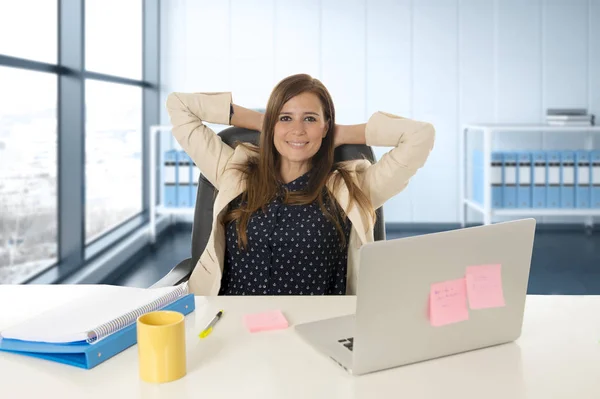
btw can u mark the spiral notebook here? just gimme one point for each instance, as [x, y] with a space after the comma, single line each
[91, 329]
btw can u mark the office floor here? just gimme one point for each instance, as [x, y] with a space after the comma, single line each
[563, 262]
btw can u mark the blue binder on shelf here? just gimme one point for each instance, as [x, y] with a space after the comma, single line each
[497, 179]
[567, 179]
[583, 193]
[510, 180]
[477, 176]
[595, 159]
[184, 174]
[170, 179]
[553, 182]
[88, 355]
[540, 170]
[524, 185]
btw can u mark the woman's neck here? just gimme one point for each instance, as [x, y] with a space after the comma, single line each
[291, 172]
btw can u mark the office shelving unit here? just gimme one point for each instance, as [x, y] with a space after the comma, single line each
[486, 209]
[157, 178]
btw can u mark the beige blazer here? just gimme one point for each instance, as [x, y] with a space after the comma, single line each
[412, 142]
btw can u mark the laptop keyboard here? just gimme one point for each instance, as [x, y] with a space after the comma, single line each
[347, 342]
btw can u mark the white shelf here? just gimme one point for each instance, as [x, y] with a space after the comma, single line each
[155, 207]
[474, 205]
[535, 211]
[162, 210]
[487, 131]
[546, 212]
[531, 128]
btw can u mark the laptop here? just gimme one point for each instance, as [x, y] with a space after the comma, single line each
[391, 326]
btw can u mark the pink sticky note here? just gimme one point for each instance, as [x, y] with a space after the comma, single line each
[484, 286]
[448, 302]
[273, 320]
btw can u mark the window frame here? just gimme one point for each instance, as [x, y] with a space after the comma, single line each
[73, 255]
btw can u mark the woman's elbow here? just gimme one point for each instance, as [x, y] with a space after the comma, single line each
[429, 131]
[173, 102]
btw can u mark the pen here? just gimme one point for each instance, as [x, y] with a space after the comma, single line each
[210, 325]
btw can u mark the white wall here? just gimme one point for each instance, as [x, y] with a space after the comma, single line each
[448, 62]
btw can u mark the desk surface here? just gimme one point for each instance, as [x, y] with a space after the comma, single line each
[558, 356]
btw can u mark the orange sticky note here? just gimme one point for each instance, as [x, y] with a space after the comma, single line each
[273, 320]
[484, 286]
[448, 302]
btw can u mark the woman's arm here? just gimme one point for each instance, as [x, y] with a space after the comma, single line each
[246, 118]
[349, 134]
[202, 144]
[412, 141]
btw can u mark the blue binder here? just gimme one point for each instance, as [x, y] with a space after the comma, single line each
[497, 179]
[184, 176]
[540, 172]
[510, 180]
[524, 185]
[583, 193]
[170, 179]
[567, 179]
[477, 176]
[595, 179]
[82, 354]
[553, 182]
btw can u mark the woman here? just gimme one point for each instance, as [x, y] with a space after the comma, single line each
[287, 219]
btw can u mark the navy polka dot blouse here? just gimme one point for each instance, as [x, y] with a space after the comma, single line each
[292, 250]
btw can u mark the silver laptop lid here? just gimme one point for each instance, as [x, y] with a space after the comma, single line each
[394, 282]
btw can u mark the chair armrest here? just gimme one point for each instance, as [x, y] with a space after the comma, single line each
[177, 275]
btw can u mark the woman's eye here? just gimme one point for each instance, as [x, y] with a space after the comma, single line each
[284, 118]
[310, 118]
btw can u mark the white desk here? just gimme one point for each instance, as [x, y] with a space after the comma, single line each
[558, 356]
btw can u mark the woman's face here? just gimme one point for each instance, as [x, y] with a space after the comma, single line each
[299, 130]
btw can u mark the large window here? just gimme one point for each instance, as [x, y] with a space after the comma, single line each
[113, 37]
[28, 29]
[78, 87]
[113, 155]
[28, 173]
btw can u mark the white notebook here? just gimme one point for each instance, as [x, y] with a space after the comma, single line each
[95, 315]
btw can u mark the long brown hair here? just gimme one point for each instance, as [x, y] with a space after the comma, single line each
[261, 173]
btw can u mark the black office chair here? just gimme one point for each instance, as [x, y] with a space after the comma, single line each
[203, 213]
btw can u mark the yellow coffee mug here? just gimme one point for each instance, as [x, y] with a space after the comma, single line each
[161, 346]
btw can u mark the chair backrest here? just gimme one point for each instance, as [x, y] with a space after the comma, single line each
[203, 214]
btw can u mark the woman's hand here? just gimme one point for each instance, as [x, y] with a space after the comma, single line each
[349, 134]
